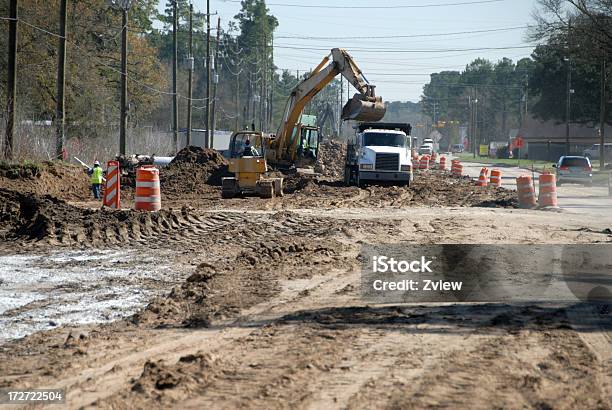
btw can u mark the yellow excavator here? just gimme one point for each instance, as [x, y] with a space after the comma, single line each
[289, 147]
[296, 142]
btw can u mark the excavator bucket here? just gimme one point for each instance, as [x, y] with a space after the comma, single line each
[364, 108]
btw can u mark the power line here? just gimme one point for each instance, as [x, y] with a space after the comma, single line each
[411, 6]
[448, 50]
[39, 29]
[403, 36]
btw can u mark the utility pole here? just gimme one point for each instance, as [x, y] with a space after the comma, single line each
[476, 140]
[272, 83]
[471, 139]
[190, 80]
[61, 83]
[174, 69]
[602, 115]
[568, 93]
[568, 104]
[435, 109]
[215, 84]
[236, 125]
[123, 99]
[208, 72]
[264, 89]
[11, 82]
[526, 96]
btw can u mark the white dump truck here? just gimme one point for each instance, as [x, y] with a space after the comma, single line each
[379, 152]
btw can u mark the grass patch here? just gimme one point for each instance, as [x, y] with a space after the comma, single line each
[20, 169]
[536, 165]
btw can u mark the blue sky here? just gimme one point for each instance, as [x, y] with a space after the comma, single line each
[397, 75]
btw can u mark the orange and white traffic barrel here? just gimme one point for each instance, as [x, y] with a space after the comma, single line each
[482, 178]
[442, 163]
[456, 168]
[424, 162]
[434, 156]
[148, 194]
[547, 195]
[526, 191]
[112, 188]
[496, 177]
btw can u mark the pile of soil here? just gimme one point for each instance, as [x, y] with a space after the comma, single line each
[191, 170]
[330, 162]
[28, 218]
[59, 179]
[433, 188]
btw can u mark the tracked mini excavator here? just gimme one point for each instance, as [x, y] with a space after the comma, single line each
[292, 146]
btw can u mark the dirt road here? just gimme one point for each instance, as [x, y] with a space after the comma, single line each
[575, 198]
[290, 329]
[257, 304]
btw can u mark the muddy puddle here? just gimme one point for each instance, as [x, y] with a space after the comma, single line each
[39, 292]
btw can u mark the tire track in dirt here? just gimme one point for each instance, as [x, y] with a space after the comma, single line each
[586, 320]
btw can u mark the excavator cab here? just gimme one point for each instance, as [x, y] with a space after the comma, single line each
[309, 143]
[250, 171]
[306, 140]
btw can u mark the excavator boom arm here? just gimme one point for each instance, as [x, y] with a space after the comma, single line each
[364, 106]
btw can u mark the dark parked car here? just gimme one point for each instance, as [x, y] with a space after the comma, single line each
[457, 148]
[574, 169]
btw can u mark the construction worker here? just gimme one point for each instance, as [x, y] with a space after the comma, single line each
[96, 177]
[249, 151]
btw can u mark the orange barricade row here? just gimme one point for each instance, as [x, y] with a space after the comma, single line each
[148, 194]
[526, 191]
[482, 178]
[112, 188]
[547, 195]
[496, 178]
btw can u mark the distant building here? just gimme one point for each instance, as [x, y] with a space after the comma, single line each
[546, 140]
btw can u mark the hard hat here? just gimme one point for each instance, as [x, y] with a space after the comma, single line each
[96, 162]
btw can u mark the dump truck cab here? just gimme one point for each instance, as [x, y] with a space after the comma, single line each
[379, 152]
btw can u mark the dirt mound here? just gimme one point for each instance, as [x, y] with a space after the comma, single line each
[190, 171]
[61, 180]
[427, 189]
[197, 155]
[28, 218]
[330, 163]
